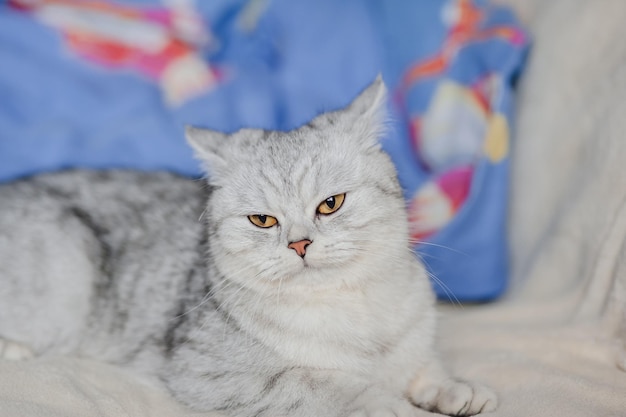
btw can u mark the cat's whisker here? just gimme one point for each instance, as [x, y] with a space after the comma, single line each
[204, 300]
[217, 286]
[449, 293]
[280, 281]
[255, 311]
[228, 300]
[437, 281]
[457, 251]
[201, 217]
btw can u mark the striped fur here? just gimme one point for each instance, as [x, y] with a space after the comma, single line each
[168, 276]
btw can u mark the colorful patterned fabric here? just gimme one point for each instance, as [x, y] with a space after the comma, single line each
[453, 99]
[103, 83]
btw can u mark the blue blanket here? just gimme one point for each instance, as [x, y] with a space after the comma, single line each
[101, 84]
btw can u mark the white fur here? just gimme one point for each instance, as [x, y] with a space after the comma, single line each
[359, 301]
[117, 266]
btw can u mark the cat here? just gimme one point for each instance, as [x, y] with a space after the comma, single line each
[282, 285]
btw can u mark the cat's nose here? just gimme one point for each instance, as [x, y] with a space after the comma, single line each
[300, 246]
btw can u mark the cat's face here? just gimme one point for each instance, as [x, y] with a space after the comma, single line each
[310, 207]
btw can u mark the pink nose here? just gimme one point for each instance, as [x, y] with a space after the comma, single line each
[300, 246]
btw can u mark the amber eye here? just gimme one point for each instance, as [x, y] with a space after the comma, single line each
[331, 204]
[263, 220]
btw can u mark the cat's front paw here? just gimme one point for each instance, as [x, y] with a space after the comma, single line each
[14, 351]
[454, 398]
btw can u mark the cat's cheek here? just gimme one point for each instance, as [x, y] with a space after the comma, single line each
[327, 255]
[237, 235]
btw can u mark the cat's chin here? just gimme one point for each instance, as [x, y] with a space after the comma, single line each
[315, 266]
[319, 275]
[303, 272]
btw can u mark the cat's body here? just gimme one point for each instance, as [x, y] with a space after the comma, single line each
[293, 291]
[103, 248]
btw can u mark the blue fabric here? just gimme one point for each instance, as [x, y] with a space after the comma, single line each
[68, 100]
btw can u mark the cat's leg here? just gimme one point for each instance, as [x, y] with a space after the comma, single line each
[434, 390]
[291, 392]
[375, 402]
[14, 351]
[335, 394]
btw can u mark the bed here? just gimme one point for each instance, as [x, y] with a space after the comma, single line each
[550, 337]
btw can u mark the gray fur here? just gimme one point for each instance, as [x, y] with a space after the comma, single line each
[168, 275]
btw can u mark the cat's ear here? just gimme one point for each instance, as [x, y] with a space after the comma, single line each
[208, 146]
[366, 115]
[370, 103]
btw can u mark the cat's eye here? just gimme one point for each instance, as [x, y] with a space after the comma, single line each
[331, 204]
[262, 220]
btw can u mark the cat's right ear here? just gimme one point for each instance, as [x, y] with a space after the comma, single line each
[208, 147]
[365, 117]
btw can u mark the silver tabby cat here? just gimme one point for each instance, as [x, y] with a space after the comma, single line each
[285, 286]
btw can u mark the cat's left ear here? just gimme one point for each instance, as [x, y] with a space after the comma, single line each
[208, 148]
[368, 113]
[370, 102]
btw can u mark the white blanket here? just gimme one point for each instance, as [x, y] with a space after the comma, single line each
[552, 346]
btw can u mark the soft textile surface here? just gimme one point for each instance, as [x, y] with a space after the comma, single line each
[63, 387]
[550, 348]
[103, 84]
[553, 347]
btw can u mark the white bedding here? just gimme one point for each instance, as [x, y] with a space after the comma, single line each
[552, 346]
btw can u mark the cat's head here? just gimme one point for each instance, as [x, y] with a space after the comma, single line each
[316, 206]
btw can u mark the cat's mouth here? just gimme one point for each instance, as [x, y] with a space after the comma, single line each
[306, 266]
[312, 265]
